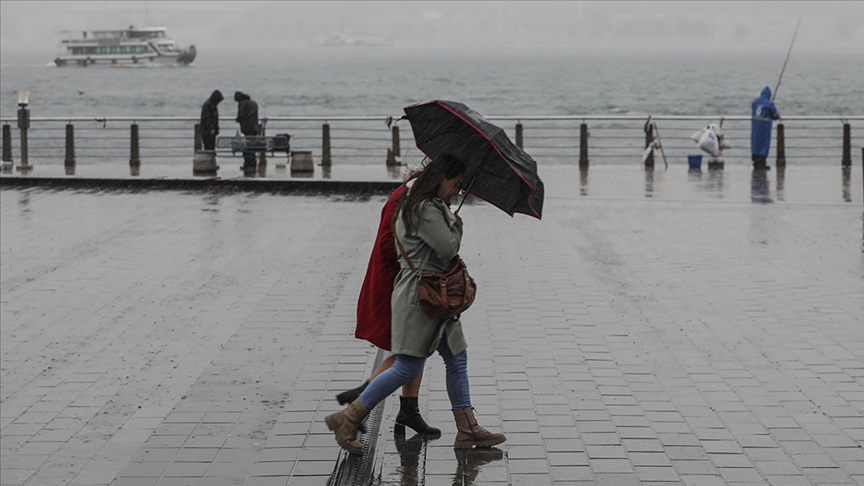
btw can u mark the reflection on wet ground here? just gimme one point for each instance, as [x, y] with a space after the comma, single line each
[466, 465]
[227, 170]
[583, 181]
[847, 178]
[470, 463]
[815, 183]
[649, 182]
[733, 183]
[781, 183]
[760, 188]
[410, 470]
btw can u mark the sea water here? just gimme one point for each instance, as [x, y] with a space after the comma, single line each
[361, 81]
[515, 81]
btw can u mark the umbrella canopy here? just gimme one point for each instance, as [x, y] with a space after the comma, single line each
[498, 171]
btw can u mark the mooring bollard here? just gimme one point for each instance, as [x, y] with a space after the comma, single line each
[519, 135]
[325, 146]
[301, 162]
[203, 163]
[134, 152]
[394, 151]
[199, 143]
[781, 145]
[7, 143]
[847, 145]
[649, 139]
[70, 145]
[583, 145]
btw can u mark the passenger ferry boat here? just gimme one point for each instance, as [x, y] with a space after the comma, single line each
[124, 48]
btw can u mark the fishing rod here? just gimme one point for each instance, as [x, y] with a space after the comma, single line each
[774, 95]
[662, 150]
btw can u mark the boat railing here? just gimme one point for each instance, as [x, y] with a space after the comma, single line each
[550, 139]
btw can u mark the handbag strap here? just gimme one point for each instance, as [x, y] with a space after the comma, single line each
[403, 252]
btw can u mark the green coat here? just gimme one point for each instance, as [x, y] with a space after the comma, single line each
[431, 247]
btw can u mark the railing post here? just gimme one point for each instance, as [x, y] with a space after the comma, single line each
[69, 161]
[326, 159]
[7, 143]
[519, 135]
[781, 145]
[24, 125]
[394, 151]
[262, 155]
[649, 139]
[134, 151]
[199, 144]
[847, 145]
[583, 145]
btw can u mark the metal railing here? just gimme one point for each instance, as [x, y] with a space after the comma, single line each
[387, 140]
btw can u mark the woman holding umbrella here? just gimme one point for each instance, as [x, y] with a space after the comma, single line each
[431, 235]
[374, 316]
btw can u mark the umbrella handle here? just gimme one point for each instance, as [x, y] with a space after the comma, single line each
[473, 179]
[460, 204]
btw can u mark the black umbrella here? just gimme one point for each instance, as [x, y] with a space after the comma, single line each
[498, 172]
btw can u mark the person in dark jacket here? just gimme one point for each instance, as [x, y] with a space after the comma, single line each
[247, 117]
[209, 124]
[762, 119]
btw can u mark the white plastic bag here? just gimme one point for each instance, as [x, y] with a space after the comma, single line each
[709, 143]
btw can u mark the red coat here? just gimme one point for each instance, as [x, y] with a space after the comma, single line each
[373, 306]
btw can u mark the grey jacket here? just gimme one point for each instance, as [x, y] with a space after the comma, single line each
[431, 245]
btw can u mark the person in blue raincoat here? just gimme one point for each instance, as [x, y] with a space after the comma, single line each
[762, 120]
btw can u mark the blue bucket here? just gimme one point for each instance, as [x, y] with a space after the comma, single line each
[695, 161]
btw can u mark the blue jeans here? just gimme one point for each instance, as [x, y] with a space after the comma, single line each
[406, 368]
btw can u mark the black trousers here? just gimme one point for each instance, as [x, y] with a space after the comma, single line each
[209, 141]
[249, 154]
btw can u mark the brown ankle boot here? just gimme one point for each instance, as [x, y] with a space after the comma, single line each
[345, 424]
[470, 433]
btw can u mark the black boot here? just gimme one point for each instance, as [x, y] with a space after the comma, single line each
[350, 395]
[409, 415]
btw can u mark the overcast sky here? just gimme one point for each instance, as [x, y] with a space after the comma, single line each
[31, 24]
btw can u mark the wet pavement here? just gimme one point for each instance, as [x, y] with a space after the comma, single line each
[810, 183]
[677, 337]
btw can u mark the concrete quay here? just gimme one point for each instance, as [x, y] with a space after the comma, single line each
[164, 337]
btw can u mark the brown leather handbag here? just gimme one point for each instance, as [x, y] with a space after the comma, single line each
[444, 295]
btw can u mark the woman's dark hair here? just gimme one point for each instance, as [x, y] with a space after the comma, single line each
[428, 183]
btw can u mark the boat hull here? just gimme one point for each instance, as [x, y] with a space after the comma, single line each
[123, 61]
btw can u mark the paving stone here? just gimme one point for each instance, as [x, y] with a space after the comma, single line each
[654, 341]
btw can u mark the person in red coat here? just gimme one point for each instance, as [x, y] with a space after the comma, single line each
[374, 316]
